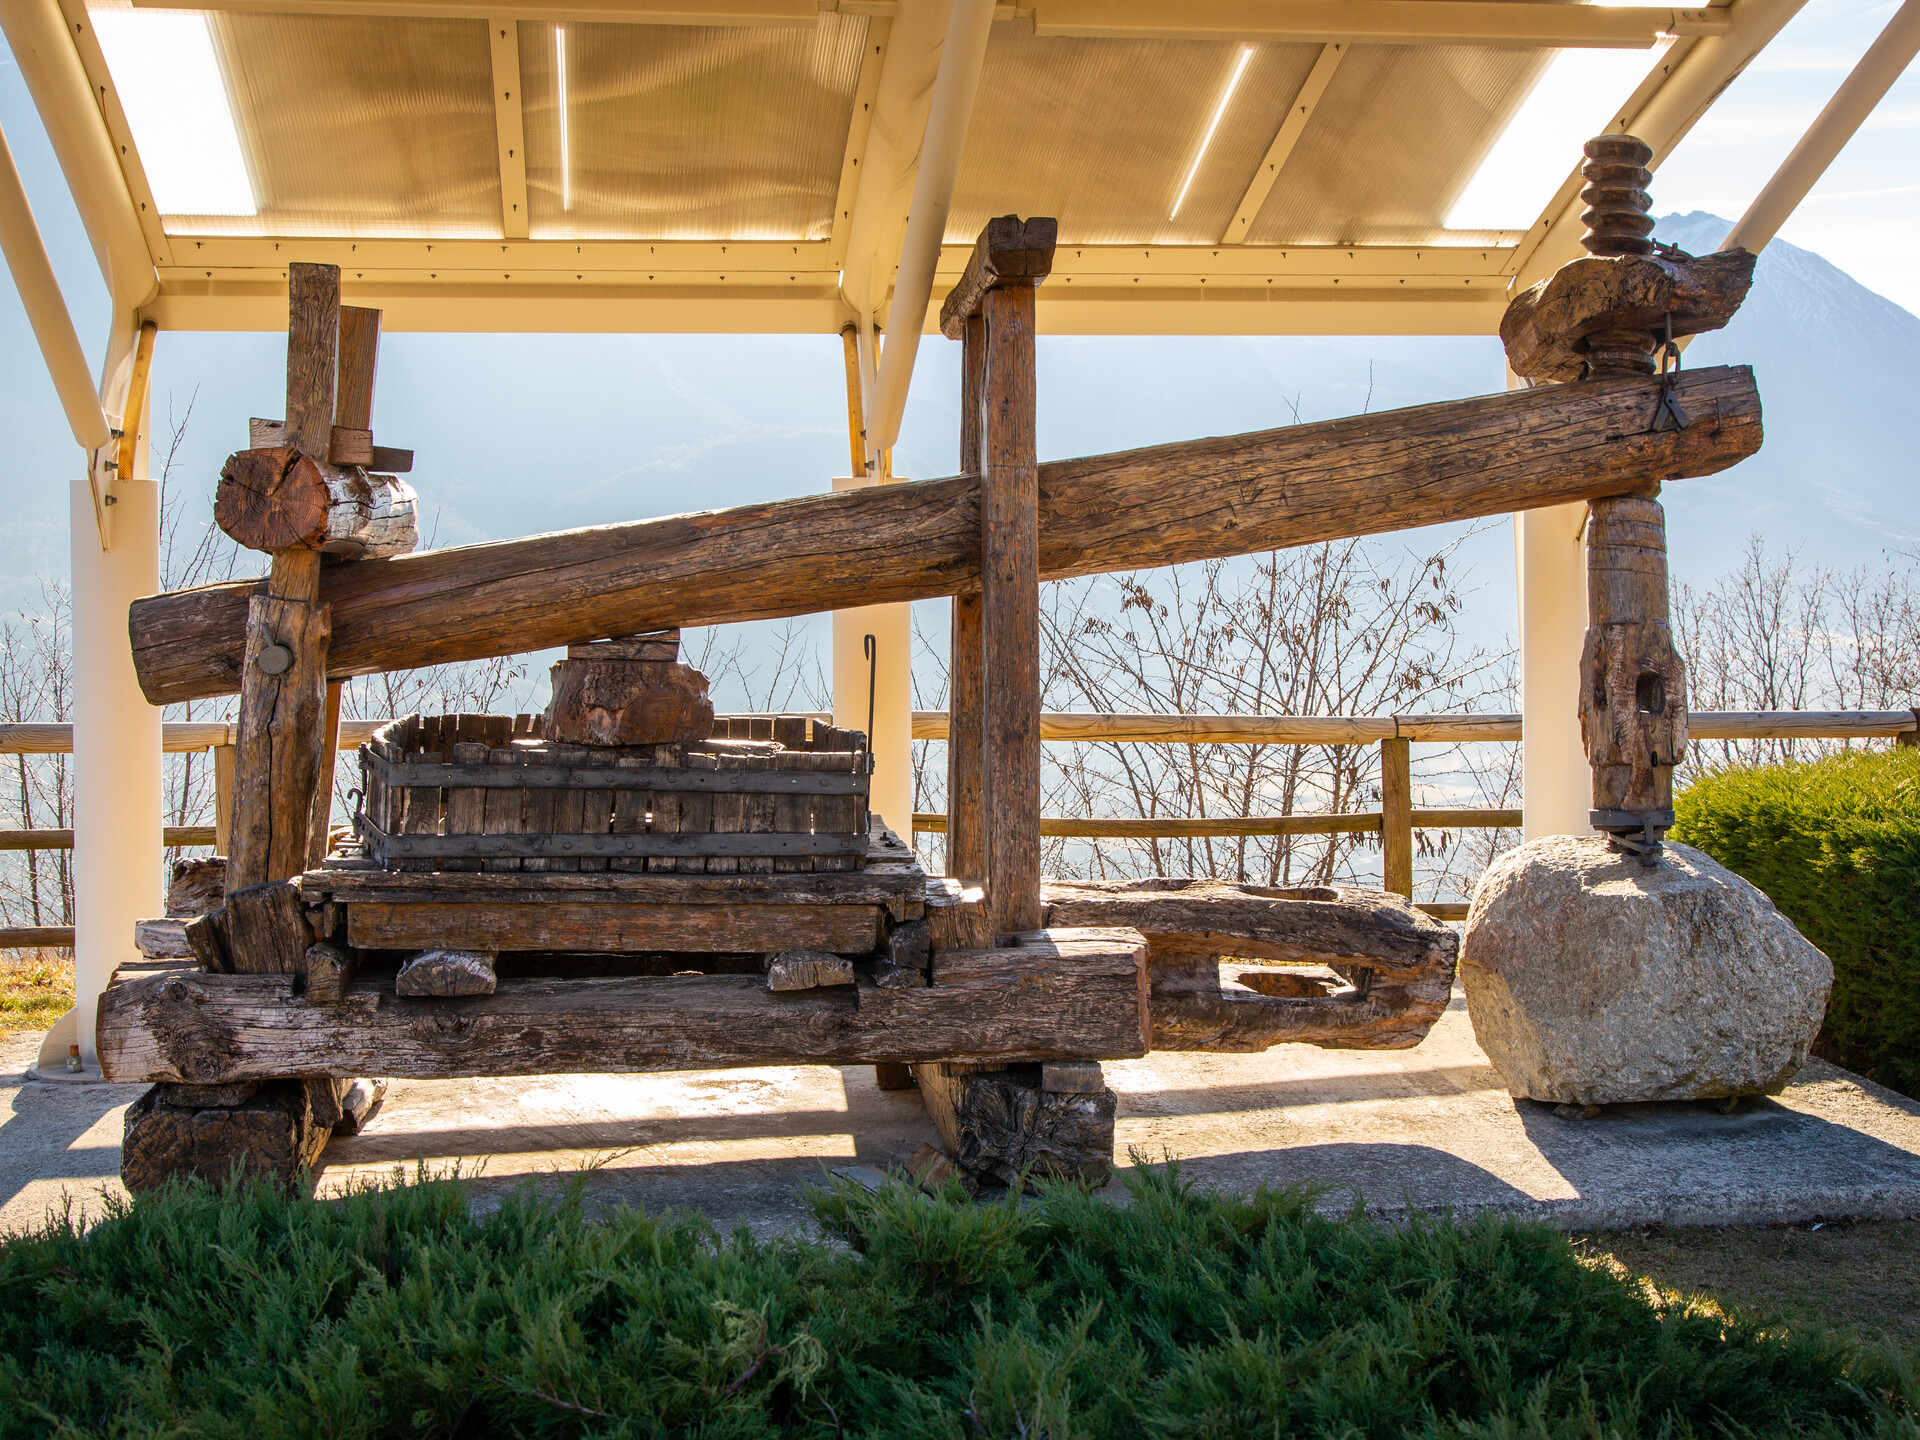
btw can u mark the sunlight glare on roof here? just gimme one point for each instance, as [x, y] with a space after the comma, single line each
[1577, 97]
[1220, 110]
[170, 85]
[566, 157]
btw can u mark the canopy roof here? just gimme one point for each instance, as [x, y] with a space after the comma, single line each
[1216, 166]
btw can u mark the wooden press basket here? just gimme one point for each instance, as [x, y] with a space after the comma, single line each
[767, 794]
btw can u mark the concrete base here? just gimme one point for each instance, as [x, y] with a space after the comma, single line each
[1428, 1129]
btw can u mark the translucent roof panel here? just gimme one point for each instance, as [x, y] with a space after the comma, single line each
[689, 133]
[360, 126]
[1397, 135]
[1101, 134]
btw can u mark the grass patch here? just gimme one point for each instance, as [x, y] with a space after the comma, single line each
[1859, 1277]
[36, 988]
[397, 1312]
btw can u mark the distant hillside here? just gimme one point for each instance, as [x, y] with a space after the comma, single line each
[1837, 367]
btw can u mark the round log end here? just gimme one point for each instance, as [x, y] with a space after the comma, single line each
[272, 500]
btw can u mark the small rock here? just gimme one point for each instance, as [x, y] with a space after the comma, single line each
[807, 970]
[445, 973]
[1594, 980]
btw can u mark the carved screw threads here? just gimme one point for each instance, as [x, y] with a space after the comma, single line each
[1619, 222]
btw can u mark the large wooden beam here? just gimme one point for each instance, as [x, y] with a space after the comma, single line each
[1066, 994]
[1234, 495]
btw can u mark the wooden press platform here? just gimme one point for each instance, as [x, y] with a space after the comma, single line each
[609, 912]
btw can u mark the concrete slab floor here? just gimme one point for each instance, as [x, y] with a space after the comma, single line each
[1429, 1128]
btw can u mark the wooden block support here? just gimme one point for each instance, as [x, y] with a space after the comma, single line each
[1010, 613]
[1396, 816]
[1002, 1123]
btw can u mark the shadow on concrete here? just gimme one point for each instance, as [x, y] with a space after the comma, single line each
[613, 1133]
[1319, 1089]
[44, 1120]
[1700, 1164]
[1387, 1177]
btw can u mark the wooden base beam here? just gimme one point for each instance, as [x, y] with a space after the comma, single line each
[1068, 994]
[1003, 1123]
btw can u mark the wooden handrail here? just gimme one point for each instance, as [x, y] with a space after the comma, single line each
[180, 736]
[1366, 822]
[63, 839]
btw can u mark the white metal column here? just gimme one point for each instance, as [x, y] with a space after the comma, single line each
[1550, 566]
[892, 629]
[117, 800]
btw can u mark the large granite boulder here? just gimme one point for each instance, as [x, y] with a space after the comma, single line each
[1592, 979]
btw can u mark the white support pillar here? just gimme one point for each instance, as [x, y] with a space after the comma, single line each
[892, 738]
[1551, 568]
[117, 799]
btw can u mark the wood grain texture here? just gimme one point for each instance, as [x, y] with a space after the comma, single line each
[569, 925]
[267, 929]
[281, 734]
[1396, 816]
[447, 973]
[359, 357]
[313, 341]
[1545, 328]
[1067, 995]
[320, 827]
[1010, 612]
[1002, 1125]
[1398, 962]
[272, 1134]
[1633, 692]
[1241, 494]
[1009, 249]
[966, 856]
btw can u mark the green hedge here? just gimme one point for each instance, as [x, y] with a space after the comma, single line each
[1836, 843]
[1175, 1314]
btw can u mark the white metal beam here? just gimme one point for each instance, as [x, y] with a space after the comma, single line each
[1863, 89]
[43, 47]
[962, 56]
[760, 13]
[509, 124]
[859, 127]
[1381, 22]
[1291, 129]
[899, 122]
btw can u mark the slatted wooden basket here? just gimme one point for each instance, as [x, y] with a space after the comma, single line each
[766, 795]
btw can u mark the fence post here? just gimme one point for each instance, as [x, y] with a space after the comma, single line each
[1396, 816]
[222, 797]
[1909, 739]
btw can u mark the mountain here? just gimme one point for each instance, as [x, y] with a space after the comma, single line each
[1837, 367]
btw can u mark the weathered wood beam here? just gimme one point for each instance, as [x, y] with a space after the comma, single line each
[1233, 495]
[1397, 964]
[1010, 604]
[966, 822]
[1009, 250]
[1071, 994]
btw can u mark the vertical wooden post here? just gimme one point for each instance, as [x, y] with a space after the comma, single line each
[966, 821]
[358, 358]
[283, 680]
[222, 798]
[1010, 612]
[1396, 816]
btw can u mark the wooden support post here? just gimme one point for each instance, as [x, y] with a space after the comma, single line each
[966, 822]
[1396, 816]
[222, 798]
[278, 754]
[1010, 259]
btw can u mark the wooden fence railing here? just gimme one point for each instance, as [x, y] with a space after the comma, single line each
[1395, 821]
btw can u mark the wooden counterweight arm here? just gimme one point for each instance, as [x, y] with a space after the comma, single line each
[1163, 505]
